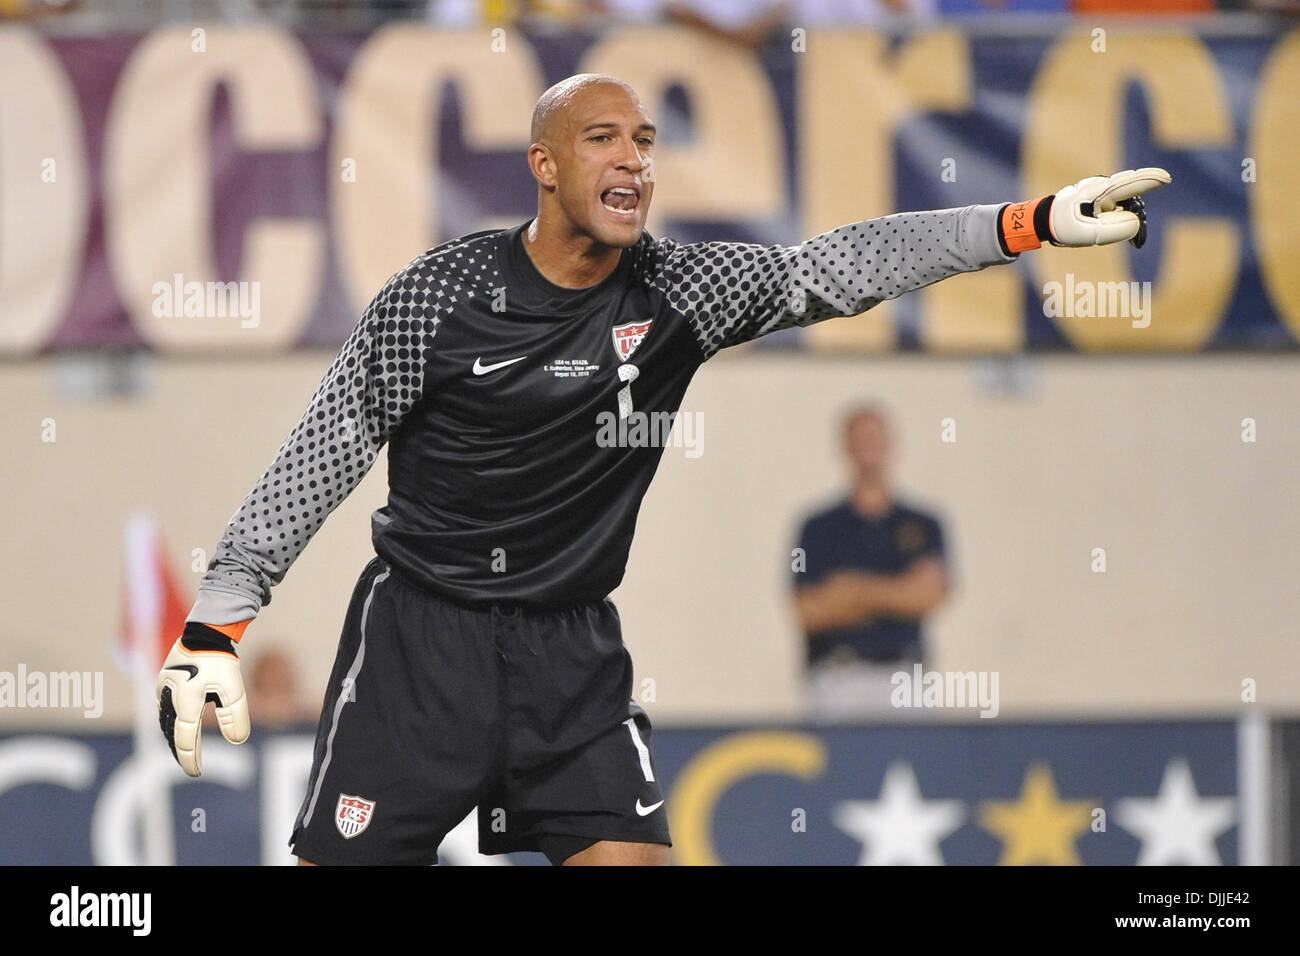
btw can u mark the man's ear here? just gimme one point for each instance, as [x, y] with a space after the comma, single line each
[542, 163]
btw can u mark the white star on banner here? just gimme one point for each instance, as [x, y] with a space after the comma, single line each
[1178, 826]
[902, 826]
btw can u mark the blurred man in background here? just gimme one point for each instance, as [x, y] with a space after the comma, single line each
[874, 569]
[274, 694]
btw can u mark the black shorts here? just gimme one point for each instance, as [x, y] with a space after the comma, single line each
[434, 709]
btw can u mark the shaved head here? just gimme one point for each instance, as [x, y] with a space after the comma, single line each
[553, 106]
[592, 154]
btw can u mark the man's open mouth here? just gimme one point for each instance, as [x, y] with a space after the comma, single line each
[620, 200]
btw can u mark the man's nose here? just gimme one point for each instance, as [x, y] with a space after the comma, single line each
[632, 158]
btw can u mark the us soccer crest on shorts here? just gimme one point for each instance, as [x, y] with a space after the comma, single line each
[353, 815]
[628, 337]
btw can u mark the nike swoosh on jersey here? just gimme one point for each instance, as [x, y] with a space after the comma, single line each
[481, 369]
[190, 668]
[646, 811]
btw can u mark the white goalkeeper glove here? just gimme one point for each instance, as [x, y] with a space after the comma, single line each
[1093, 212]
[201, 667]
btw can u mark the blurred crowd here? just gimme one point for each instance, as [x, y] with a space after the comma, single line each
[748, 22]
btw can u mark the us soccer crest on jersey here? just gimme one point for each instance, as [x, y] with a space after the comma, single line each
[353, 815]
[628, 337]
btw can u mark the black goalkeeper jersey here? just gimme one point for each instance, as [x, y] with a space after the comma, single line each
[525, 421]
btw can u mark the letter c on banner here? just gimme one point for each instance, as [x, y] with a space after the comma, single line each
[716, 769]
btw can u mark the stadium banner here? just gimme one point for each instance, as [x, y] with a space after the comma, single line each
[248, 189]
[939, 793]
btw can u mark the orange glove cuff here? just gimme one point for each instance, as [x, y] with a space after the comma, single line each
[1017, 225]
[233, 631]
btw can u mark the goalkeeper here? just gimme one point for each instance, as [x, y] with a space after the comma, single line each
[481, 662]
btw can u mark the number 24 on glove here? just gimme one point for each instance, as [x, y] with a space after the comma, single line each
[1093, 212]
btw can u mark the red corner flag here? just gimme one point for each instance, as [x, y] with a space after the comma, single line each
[153, 608]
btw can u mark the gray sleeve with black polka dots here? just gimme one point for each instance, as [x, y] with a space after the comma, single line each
[733, 292]
[371, 385]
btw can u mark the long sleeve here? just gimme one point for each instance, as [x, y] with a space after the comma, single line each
[734, 292]
[372, 384]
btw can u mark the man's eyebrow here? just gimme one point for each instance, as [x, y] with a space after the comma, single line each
[611, 124]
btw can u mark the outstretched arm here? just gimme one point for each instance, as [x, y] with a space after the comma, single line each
[733, 292]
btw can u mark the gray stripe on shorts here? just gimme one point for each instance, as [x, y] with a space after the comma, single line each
[348, 682]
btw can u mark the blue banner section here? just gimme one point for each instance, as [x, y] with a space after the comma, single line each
[973, 793]
[341, 187]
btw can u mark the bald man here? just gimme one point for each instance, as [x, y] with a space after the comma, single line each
[510, 373]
